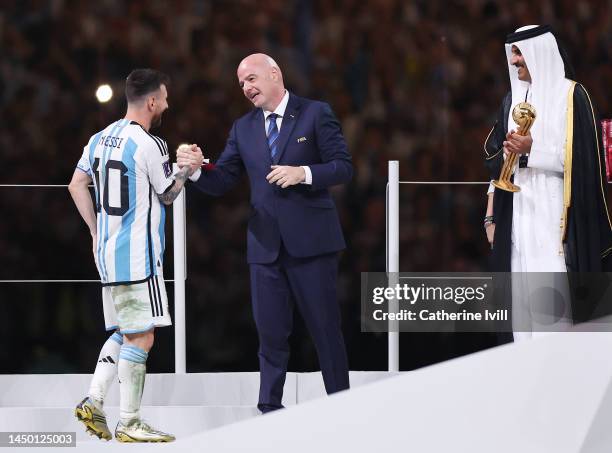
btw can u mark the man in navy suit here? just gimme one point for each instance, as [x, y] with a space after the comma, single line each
[293, 150]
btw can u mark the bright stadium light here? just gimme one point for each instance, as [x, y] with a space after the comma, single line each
[104, 93]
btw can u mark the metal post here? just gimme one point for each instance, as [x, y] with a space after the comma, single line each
[178, 230]
[393, 258]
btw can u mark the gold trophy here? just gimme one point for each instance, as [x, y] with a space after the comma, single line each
[524, 115]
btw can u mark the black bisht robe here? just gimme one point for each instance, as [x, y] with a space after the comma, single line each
[588, 239]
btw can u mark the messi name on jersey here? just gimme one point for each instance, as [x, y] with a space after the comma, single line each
[110, 142]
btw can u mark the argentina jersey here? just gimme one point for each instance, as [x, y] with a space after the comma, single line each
[129, 168]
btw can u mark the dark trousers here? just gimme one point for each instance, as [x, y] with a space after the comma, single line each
[309, 283]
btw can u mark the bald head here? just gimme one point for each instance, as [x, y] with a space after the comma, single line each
[261, 81]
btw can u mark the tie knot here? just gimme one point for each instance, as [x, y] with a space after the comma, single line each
[273, 116]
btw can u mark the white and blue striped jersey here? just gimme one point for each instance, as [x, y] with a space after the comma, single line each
[129, 168]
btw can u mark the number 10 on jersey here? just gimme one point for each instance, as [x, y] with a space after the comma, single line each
[117, 193]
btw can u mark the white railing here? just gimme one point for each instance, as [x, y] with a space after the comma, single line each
[180, 275]
[392, 244]
[393, 258]
[180, 259]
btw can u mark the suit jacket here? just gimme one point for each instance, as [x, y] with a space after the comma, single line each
[303, 216]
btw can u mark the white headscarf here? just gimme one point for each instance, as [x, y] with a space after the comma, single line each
[548, 89]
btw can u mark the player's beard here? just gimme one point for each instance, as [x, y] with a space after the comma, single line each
[156, 120]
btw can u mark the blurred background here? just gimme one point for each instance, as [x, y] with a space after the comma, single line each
[414, 81]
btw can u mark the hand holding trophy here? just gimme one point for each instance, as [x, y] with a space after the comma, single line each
[524, 115]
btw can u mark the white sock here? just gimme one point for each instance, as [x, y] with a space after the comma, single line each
[132, 372]
[106, 369]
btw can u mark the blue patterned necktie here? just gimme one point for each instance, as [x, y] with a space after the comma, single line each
[272, 134]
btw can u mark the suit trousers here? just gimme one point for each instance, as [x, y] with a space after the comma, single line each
[309, 283]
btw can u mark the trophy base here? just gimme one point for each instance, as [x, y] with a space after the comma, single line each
[506, 185]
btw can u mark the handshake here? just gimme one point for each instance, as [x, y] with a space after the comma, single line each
[189, 156]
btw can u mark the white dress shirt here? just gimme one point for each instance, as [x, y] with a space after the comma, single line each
[280, 111]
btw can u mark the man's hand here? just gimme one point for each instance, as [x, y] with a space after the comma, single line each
[518, 144]
[189, 156]
[285, 175]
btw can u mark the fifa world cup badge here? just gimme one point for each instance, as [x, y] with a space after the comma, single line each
[167, 168]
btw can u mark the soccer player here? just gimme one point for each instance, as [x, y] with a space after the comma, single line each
[132, 177]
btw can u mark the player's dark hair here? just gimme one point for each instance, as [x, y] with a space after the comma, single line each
[141, 82]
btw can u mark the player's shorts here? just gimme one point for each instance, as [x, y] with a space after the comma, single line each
[137, 307]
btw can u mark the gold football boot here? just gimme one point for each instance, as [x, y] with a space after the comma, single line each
[93, 418]
[139, 431]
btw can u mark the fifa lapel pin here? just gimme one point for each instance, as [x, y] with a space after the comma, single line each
[301, 139]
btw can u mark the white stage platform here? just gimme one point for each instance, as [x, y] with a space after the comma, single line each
[552, 395]
[183, 404]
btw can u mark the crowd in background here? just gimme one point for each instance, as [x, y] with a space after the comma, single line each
[414, 81]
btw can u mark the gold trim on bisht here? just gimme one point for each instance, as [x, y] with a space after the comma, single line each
[484, 146]
[601, 183]
[567, 167]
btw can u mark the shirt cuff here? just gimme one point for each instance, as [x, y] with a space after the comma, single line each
[307, 176]
[491, 188]
[196, 175]
[542, 158]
